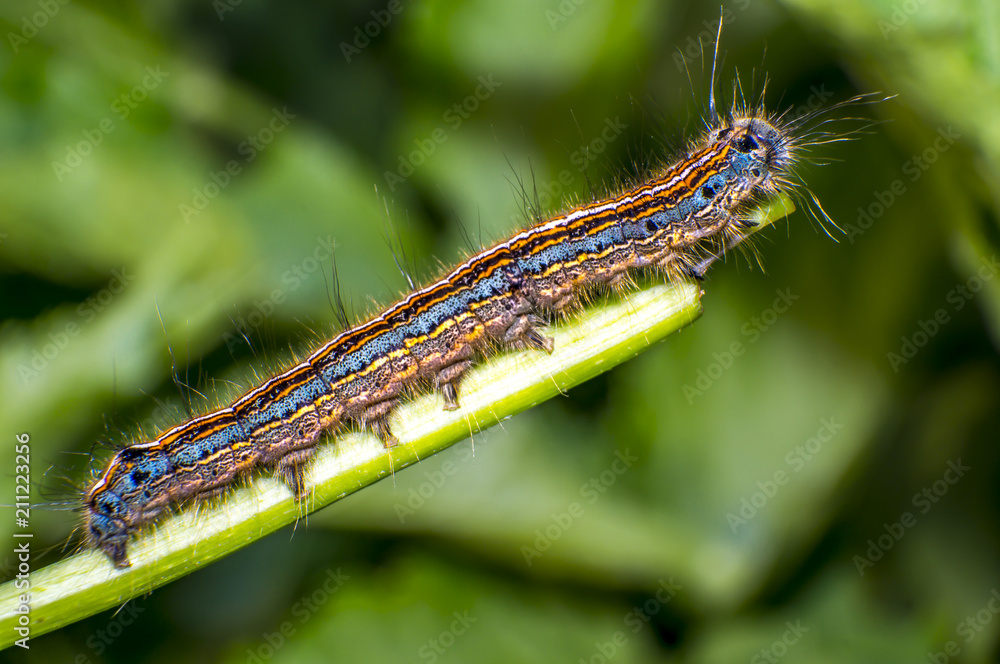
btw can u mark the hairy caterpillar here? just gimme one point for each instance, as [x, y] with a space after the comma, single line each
[677, 223]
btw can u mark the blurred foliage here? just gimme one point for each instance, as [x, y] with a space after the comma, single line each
[107, 282]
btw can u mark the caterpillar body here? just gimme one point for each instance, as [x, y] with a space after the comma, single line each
[676, 224]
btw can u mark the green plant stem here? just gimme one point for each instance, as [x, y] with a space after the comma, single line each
[597, 340]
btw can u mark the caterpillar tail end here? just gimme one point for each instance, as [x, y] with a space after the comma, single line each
[116, 553]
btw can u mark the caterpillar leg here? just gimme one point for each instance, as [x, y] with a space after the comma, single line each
[525, 332]
[698, 270]
[447, 379]
[380, 427]
[291, 470]
[376, 419]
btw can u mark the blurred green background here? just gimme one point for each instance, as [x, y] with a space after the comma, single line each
[798, 501]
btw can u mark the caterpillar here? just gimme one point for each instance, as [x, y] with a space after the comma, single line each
[675, 224]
